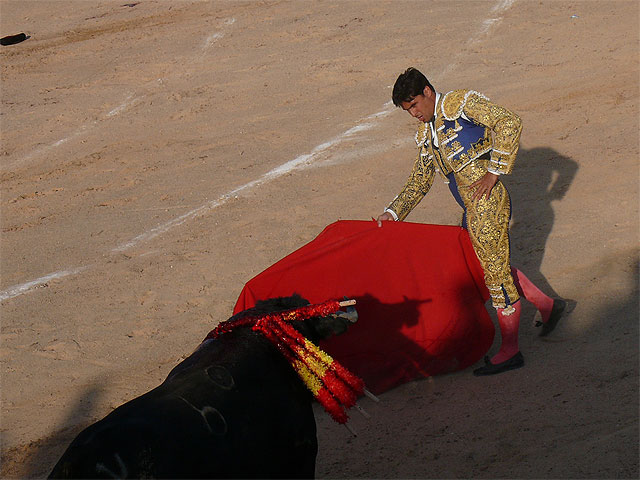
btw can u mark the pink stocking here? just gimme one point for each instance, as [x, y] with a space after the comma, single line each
[509, 329]
[528, 290]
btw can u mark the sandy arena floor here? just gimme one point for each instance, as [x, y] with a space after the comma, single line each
[139, 142]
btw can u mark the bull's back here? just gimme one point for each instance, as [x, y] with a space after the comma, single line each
[244, 414]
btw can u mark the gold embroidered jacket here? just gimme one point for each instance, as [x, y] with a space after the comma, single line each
[467, 125]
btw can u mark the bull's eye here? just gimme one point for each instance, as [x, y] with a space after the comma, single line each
[221, 377]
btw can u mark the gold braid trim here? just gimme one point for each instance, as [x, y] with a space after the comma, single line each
[416, 187]
[453, 103]
[506, 127]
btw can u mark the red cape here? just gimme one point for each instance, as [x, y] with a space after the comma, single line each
[420, 297]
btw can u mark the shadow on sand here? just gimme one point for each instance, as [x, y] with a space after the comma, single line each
[36, 459]
[542, 176]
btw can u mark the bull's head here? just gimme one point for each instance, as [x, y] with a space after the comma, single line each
[315, 328]
[336, 323]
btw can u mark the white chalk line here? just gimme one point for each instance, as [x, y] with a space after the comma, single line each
[502, 5]
[212, 38]
[283, 169]
[485, 27]
[499, 7]
[38, 282]
[301, 161]
[215, 36]
[131, 100]
[218, 35]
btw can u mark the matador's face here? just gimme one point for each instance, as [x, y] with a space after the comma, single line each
[421, 106]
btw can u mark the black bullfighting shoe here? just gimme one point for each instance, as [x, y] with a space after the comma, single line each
[558, 309]
[512, 363]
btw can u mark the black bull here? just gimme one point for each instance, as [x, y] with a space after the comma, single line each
[234, 408]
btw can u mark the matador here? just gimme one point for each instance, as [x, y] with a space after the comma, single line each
[470, 141]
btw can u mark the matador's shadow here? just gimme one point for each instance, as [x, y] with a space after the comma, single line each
[543, 176]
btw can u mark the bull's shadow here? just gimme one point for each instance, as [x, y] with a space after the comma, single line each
[542, 176]
[37, 459]
[393, 343]
[379, 326]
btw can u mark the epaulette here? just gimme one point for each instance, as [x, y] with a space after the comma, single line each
[453, 103]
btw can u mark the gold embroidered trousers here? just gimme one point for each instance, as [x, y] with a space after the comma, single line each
[488, 226]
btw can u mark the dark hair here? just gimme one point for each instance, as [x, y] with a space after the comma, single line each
[409, 84]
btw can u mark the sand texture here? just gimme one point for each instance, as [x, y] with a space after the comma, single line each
[156, 155]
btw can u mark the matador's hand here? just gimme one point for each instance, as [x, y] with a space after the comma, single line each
[483, 186]
[385, 217]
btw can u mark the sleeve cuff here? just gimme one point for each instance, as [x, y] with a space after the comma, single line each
[393, 214]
